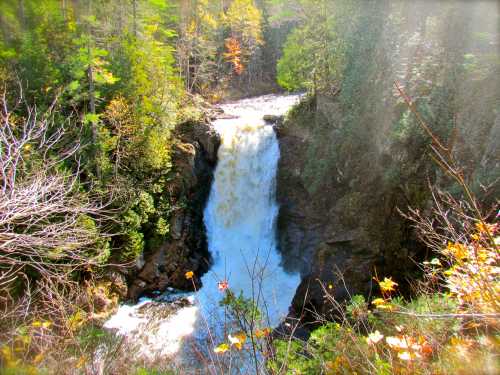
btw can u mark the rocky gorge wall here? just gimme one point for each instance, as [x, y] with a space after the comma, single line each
[193, 159]
[339, 222]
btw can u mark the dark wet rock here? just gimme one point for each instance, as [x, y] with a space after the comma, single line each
[291, 327]
[273, 119]
[161, 310]
[194, 159]
[177, 224]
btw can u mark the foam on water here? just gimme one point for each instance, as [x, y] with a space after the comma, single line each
[150, 333]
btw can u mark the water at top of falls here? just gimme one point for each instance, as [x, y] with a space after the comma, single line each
[240, 221]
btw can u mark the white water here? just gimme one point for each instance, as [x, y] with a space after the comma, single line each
[240, 221]
[150, 333]
[241, 212]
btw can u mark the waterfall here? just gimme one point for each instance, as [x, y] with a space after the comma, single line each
[240, 219]
[240, 216]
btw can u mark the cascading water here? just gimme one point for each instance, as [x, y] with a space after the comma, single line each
[240, 222]
[241, 212]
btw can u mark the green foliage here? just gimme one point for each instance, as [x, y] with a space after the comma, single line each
[101, 251]
[313, 53]
[324, 351]
[295, 67]
[342, 348]
[357, 307]
[156, 149]
[290, 353]
[116, 70]
[244, 310]
[162, 227]
[133, 246]
[145, 371]
[91, 337]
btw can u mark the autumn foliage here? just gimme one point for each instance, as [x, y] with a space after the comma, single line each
[233, 55]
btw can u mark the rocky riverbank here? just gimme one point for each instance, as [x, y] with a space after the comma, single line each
[194, 159]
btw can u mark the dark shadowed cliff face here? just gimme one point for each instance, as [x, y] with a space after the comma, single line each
[326, 225]
[339, 220]
[194, 159]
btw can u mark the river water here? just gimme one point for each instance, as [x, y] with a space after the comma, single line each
[240, 220]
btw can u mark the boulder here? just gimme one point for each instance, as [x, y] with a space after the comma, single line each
[273, 119]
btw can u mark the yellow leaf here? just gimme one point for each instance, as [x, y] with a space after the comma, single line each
[262, 332]
[457, 250]
[387, 285]
[81, 362]
[387, 307]
[237, 340]
[38, 358]
[222, 348]
[378, 301]
[76, 320]
[486, 228]
[189, 275]
[7, 353]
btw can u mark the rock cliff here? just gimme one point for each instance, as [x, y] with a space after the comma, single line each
[319, 230]
[340, 200]
[194, 159]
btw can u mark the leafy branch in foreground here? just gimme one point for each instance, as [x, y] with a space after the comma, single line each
[460, 233]
[49, 230]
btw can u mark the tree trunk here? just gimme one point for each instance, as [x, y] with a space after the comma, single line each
[134, 10]
[92, 108]
[63, 9]
[95, 135]
[22, 17]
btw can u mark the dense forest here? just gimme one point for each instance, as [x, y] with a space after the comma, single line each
[387, 180]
